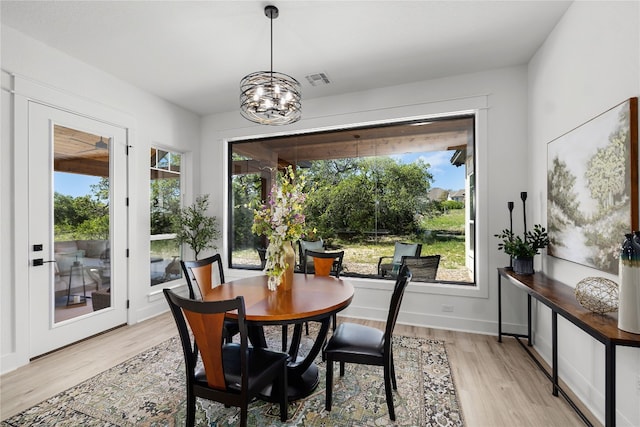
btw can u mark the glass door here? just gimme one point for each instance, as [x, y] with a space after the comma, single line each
[77, 227]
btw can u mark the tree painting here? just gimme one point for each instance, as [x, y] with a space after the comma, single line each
[589, 188]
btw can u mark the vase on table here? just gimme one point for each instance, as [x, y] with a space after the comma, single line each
[629, 294]
[290, 258]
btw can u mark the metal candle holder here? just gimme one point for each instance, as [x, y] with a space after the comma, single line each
[510, 207]
[523, 196]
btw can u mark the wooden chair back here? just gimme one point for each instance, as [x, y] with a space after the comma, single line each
[202, 272]
[325, 263]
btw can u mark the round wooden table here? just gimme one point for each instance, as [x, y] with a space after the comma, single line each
[310, 298]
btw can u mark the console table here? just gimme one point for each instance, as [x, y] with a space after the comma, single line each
[560, 298]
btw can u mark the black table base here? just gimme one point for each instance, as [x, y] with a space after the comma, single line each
[302, 374]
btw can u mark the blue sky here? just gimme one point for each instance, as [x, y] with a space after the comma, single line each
[72, 184]
[445, 175]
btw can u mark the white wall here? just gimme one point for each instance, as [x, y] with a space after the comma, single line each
[157, 122]
[588, 64]
[499, 96]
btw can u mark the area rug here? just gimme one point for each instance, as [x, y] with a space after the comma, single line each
[148, 390]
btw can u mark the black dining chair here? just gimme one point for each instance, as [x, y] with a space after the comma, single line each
[324, 264]
[203, 273]
[234, 373]
[355, 343]
[329, 263]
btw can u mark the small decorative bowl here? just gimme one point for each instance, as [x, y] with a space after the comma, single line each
[598, 294]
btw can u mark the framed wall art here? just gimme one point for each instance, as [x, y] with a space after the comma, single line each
[592, 188]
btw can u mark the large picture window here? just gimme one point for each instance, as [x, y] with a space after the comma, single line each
[165, 201]
[369, 191]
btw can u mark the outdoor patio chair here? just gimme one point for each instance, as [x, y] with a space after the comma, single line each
[423, 268]
[400, 250]
[303, 246]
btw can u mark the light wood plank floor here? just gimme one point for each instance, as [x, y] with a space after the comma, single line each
[497, 384]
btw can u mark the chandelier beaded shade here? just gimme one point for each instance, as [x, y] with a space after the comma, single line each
[270, 97]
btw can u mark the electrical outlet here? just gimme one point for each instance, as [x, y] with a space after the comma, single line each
[447, 308]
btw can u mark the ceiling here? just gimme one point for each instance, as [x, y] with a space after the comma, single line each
[194, 53]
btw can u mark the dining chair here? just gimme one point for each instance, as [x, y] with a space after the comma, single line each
[423, 268]
[203, 273]
[234, 373]
[324, 263]
[360, 344]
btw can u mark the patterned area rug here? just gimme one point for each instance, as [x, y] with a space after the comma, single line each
[148, 390]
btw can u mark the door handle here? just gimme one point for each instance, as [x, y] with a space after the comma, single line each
[40, 261]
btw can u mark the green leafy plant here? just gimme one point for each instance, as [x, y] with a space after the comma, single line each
[195, 228]
[526, 246]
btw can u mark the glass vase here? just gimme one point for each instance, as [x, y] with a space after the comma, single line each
[290, 258]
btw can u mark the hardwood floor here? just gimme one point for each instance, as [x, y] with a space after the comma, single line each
[497, 384]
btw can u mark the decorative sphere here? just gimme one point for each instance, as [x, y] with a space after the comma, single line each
[598, 294]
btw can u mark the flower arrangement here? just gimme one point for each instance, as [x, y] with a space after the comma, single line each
[281, 220]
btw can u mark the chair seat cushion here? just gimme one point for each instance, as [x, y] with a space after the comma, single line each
[261, 363]
[354, 338]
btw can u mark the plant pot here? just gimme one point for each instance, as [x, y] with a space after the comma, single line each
[523, 266]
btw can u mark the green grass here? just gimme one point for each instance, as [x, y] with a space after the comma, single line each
[453, 220]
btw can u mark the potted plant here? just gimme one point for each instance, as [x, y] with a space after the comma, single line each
[195, 228]
[523, 249]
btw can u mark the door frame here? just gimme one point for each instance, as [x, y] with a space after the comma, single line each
[24, 91]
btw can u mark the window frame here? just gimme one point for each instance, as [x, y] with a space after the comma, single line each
[167, 236]
[471, 241]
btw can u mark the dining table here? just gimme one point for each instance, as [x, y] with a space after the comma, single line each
[310, 298]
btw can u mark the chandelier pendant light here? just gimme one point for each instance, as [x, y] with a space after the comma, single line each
[269, 97]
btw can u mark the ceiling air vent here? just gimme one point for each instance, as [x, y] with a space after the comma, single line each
[319, 79]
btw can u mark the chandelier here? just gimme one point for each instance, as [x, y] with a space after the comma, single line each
[269, 97]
